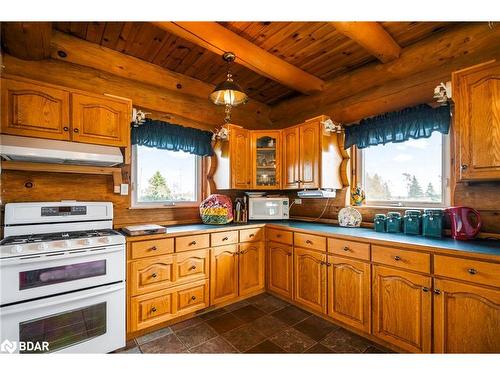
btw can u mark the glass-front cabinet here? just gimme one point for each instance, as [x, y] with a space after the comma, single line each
[266, 160]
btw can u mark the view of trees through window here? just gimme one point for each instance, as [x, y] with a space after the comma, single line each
[408, 171]
[165, 176]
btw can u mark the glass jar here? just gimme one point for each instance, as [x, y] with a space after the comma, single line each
[412, 222]
[432, 223]
[379, 222]
[393, 223]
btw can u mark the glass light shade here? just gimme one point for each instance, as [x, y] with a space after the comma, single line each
[228, 92]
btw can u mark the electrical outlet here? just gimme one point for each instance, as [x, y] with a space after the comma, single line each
[298, 201]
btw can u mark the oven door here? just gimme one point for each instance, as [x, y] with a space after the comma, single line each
[265, 209]
[35, 276]
[87, 321]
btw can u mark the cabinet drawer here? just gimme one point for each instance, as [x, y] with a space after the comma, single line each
[349, 248]
[192, 265]
[144, 249]
[474, 271]
[280, 236]
[194, 297]
[407, 259]
[185, 243]
[310, 241]
[151, 274]
[254, 234]
[224, 238]
[151, 309]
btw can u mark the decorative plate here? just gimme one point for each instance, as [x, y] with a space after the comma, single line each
[349, 217]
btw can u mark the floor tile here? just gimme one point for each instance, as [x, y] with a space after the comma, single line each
[186, 324]
[225, 322]
[377, 350]
[153, 335]
[236, 306]
[257, 298]
[318, 349]
[270, 304]
[244, 337]
[248, 313]
[268, 325]
[266, 347]
[213, 314]
[343, 341]
[165, 344]
[196, 335]
[134, 350]
[216, 345]
[291, 315]
[292, 341]
[315, 327]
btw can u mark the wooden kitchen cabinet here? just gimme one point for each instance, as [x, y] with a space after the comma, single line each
[290, 158]
[401, 308]
[349, 289]
[265, 148]
[251, 267]
[309, 152]
[310, 279]
[239, 149]
[466, 318]
[224, 274]
[100, 120]
[476, 93]
[280, 269]
[35, 110]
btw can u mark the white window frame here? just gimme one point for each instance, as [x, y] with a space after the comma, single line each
[165, 204]
[445, 186]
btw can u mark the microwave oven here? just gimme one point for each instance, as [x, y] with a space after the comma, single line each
[263, 208]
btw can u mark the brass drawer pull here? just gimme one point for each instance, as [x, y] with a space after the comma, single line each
[192, 243]
[225, 238]
[154, 275]
[309, 242]
[278, 236]
[76, 130]
[472, 271]
[193, 267]
[397, 257]
[65, 128]
[251, 235]
[154, 248]
[193, 298]
[153, 309]
[346, 248]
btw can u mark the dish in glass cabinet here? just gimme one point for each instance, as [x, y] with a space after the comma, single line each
[349, 217]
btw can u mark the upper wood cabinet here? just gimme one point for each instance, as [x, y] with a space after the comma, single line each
[265, 148]
[310, 279]
[45, 111]
[476, 93]
[280, 269]
[309, 155]
[239, 148]
[35, 110]
[290, 158]
[466, 318]
[402, 308]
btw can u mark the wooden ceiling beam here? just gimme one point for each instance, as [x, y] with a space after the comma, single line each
[372, 37]
[27, 40]
[218, 39]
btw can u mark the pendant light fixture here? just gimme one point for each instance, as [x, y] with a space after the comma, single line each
[228, 93]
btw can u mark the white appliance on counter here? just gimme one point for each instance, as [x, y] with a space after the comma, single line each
[265, 208]
[62, 277]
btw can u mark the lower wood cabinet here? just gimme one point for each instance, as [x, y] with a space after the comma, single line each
[224, 274]
[310, 279]
[280, 269]
[402, 312]
[251, 267]
[349, 292]
[150, 274]
[466, 318]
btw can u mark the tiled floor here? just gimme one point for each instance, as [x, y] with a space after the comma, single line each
[261, 324]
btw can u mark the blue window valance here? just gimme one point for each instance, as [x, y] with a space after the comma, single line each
[166, 136]
[415, 122]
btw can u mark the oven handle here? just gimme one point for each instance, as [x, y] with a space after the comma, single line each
[70, 297]
[30, 259]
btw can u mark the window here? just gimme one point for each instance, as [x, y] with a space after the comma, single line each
[165, 178]
[412, 173]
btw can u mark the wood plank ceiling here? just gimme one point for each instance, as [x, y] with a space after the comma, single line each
[315, 47]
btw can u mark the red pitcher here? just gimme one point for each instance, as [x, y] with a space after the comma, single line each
[461, 226]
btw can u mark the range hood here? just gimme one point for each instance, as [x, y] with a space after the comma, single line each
[58, 152]
[319, 193]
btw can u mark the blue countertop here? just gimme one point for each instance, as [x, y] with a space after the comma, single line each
[489, 247]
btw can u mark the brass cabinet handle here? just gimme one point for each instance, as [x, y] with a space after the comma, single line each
[328, 264]
[76, 130]
[437, 291]
[65, 128]
[346, 248]
[153, 309]
[397, 257]
[225, 238]
[472, 271]
[154, 275]
[193, 298]
[425, 289]
[193, 267]
[154, 248]
[251, 235]
[463, 167]
[309, 242]
[192, 243]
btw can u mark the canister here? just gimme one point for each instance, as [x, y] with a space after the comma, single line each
[412, 222]
[432, 223]
[393, 223]
[379, 222]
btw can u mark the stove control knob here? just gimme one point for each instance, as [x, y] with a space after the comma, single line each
[16, 249]
[42, 246]
[105, 240]
[87, 241]
[66, 244]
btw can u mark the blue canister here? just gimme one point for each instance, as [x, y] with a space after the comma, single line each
[379, 222]
[393, 223]
[432, 223]
[412, 222]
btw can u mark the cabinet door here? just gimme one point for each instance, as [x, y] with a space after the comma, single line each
[280, 269]
[402, 308]
[251, 267]
[477, 118]
[100, 120]
[310, 279]
[349, 292]
[34, 110]
[291, 158]
[266, 160]
[151, 274]
[309, 155]
[224, 274]
[239, 150]
[466, 318]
